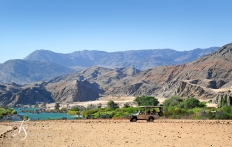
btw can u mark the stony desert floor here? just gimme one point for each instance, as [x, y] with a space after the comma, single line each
[108, 133]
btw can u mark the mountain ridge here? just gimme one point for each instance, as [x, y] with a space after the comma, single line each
[140, 59]
[208, 77]
[24, 71]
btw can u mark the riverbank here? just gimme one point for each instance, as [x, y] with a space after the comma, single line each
[59, 133]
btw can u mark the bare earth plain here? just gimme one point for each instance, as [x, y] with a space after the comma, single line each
[105, 133]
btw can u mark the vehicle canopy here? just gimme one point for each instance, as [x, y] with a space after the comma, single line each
[145, 108]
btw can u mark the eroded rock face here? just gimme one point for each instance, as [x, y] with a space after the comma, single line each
[187, 89]
[218, 98]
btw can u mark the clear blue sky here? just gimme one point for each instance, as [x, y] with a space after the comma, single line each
[66, 26]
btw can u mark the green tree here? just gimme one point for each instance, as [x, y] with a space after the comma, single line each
[74, 109]
[57, 106]
[190, 103]
[146, 101]
[111, 104]
[171, 102]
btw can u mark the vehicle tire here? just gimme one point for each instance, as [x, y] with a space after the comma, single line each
[151, 119]
[160, 113]
[134, 119]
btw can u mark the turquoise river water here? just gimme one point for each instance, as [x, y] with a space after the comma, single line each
[43, 115]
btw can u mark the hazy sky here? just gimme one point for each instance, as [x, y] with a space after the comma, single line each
[66, 26]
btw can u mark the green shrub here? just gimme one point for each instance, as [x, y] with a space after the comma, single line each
[14, 112]
[171, 102]
[146, 100]
[129, 109]
[226, 113]
[74, 109]
[175, 111]
[112, 105]
[88, 113]
[25, 117]
[7, 111]
[190, 103]
[72, 112]
[202, 104]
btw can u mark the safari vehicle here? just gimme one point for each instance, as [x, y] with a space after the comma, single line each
[149, 113]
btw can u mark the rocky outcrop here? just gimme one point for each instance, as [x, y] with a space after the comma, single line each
[72, 91]
[7, 92]
[227, 96]
[32, 96]
[187, 89]
[64, 91]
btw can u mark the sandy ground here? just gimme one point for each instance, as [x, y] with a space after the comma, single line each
[119, 100]
[103, 100]
[4, 129]
[105, 133]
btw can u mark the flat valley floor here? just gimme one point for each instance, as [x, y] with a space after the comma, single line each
[108, 133]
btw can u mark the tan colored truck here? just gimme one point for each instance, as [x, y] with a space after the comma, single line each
[149, 113]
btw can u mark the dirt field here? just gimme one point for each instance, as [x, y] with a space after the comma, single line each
[90, 133]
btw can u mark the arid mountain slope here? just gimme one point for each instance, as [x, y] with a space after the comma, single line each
[13, 94]
[102, 78]
[207, 77]
[197, 78]
[66, 91]
[72, 88]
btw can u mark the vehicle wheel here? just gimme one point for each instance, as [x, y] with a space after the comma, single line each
[160, 113]
[151, 119]
[134, 119]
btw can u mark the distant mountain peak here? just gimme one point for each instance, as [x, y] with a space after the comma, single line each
[139, 59]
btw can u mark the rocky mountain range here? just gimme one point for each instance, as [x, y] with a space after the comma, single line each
[209, 77]
[27, 71]
[43, 65]
[140, 59]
